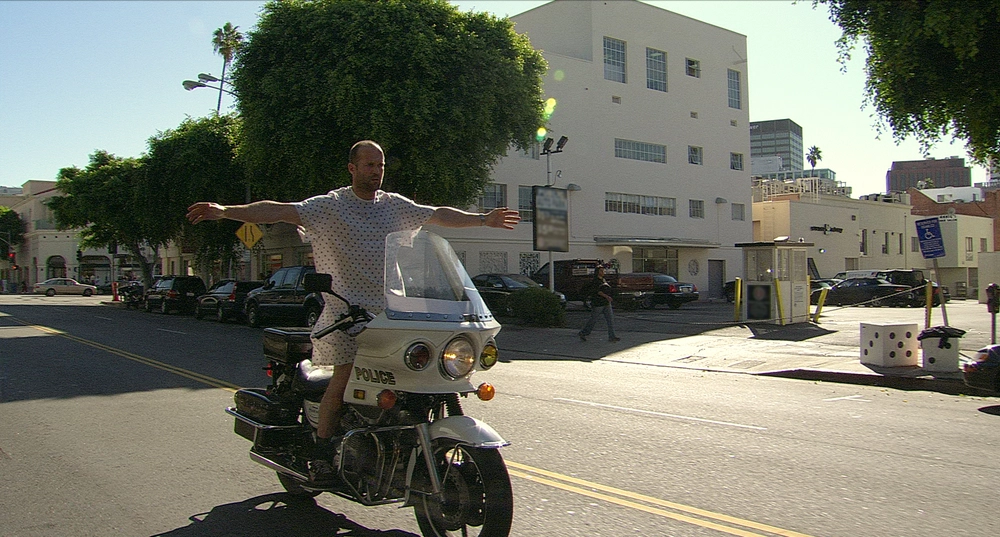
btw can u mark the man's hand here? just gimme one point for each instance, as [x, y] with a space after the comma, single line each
[502, 217]
[204, 210]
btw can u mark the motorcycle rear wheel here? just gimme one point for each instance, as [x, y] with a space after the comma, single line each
[294, 487]
[477, 494]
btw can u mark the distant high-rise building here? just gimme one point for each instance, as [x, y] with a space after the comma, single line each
[777, 137]
[927, 173]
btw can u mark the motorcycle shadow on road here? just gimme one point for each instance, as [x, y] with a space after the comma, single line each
[275, 514]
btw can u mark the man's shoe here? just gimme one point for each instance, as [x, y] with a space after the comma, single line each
[614, 339]
[321, 473]
[582, 337]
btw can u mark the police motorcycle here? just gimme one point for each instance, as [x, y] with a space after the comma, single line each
[407, 441]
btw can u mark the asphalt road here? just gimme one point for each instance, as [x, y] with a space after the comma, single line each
[111, 423]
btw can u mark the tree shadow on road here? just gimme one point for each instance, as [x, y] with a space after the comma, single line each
[275, 514]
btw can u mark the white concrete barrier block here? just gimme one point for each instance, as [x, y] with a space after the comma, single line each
[937, 358]
[889, 345]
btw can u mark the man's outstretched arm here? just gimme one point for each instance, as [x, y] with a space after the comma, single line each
[501, 217]
[258, 212]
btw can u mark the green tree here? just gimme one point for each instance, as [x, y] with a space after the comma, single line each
[12, 229]
[197, 161]
[226, 41]
[813, 156]
[933, 67]
[103, 200]
[141, 202]
[446, 94]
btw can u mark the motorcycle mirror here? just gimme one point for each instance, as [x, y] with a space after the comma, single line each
[317, 282]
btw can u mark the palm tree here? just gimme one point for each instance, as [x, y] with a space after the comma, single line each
[814, 156]
[226, 41]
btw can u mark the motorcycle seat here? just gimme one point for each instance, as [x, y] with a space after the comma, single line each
[312, 378]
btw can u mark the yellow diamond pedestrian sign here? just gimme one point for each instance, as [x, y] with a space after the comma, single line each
[249, 233]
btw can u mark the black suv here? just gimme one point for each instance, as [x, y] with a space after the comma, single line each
[225, 299]
[284, 297]
[175, 293]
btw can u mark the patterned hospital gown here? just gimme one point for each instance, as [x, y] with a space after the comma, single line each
[348, 242]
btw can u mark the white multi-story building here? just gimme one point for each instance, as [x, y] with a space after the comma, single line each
[657, 163]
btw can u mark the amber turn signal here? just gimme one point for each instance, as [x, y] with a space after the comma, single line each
[486, 391]
[386, 399]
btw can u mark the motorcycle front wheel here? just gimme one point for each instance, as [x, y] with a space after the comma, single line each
[476, 494]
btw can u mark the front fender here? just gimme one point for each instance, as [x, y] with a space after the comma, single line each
[467, 430]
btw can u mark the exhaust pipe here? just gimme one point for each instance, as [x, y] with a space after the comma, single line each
[276, 466]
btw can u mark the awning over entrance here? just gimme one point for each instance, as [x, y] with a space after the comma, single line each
[674, 242]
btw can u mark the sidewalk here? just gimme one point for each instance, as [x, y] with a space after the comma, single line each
[802, 351]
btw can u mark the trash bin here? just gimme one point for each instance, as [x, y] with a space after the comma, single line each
[939, 348]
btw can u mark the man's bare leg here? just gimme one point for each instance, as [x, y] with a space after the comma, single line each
[333, 401]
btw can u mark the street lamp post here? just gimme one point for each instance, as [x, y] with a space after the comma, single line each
[547, 150]
[201, 83]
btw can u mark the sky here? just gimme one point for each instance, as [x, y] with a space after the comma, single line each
[81, 76]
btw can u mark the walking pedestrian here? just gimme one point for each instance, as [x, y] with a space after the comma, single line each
[600, 302]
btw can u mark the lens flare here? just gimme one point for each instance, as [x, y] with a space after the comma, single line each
[559, 75]
[540, 135]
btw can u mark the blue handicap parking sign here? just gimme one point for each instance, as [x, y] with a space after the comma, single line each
[929, 235]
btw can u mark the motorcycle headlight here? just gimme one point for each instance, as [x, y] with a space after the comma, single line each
[488, 358]
[417, 356]
[458, 358]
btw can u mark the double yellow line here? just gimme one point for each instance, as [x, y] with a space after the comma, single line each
[675, 511]
[198, 377]
[648, 504]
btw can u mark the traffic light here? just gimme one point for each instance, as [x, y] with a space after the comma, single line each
[12, 258]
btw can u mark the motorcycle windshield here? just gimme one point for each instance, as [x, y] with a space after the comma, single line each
[425, 280]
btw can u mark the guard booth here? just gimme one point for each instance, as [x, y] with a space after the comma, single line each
[776, 284]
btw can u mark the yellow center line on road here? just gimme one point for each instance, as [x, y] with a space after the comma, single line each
[531, 473]
[567, 483]
[198, 377]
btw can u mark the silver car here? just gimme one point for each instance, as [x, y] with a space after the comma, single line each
[64, 286]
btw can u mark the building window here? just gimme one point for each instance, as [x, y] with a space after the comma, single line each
[656, 259]
[614, 59]
[968, 244]
[914, 244]
[617, 202]
[864, 242]
[696, 208]
[734, 89]
[631, 149]
[901, 243]
[694, 155]
[739, 212]
[524, 208]
[982, 244]
[885, 244]
[692, 67]
[736, 161]
[494, 195]
[656, 69]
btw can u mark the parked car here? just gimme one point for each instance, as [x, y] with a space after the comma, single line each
[283, 297]
[983, 370]
[497, 288]
[913, 278]
[175, 293]
[867, 291]
[64, 286]
[652, 289]
[225, 299]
